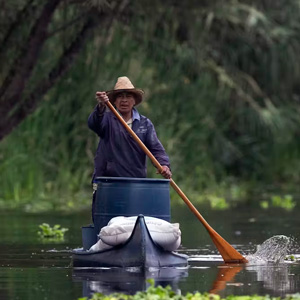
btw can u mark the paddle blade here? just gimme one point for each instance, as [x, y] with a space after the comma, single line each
[229, 254]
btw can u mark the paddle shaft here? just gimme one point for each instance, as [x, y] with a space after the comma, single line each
[228, 253]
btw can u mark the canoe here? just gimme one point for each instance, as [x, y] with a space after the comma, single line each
[139, 251]
[118, 196]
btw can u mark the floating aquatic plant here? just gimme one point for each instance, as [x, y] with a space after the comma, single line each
[218, 202]
[286, 202]
[290, 258]
[55, 232]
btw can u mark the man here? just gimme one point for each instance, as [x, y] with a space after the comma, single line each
[118, 155]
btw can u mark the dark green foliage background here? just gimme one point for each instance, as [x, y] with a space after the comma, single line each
[222, 89]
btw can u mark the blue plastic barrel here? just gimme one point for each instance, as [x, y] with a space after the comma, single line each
[120, 196]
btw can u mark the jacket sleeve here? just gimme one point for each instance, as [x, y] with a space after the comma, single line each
[155, 146]
[95, 120]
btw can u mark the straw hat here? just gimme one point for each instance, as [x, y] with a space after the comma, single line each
[124, 85]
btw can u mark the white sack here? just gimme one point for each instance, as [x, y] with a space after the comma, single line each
[119, 229]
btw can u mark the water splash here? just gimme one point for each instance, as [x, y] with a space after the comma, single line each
[273, 250]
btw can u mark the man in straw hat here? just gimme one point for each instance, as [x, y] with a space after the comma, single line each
[118, 155]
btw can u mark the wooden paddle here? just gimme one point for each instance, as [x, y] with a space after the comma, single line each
[229, 254]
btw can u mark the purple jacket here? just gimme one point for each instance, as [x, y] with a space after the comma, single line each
[118, 155]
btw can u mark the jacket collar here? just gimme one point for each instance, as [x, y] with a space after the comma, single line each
[135, 115]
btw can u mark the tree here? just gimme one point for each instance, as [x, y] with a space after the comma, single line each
[23, 43]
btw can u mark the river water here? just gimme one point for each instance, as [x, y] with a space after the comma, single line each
[34, 269]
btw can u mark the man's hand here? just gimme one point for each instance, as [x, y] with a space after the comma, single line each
[102, 98]
[166, 172]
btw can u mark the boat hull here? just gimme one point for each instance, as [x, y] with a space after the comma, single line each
[139, 251]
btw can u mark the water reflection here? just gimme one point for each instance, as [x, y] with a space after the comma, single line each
[226, 274]
[276, 277]
[273, 278]
[127, 281]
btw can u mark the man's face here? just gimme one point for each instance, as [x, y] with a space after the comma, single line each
[124, 102]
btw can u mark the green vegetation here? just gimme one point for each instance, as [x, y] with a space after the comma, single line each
[291, 258]
[165, 293]
[287, 202]
[53, 233]
[222, 89]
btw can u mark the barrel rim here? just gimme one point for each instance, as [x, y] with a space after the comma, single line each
[129, 179]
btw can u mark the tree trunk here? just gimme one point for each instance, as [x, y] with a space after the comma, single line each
[30, 103]
[21, 70]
